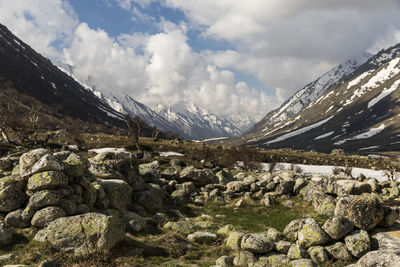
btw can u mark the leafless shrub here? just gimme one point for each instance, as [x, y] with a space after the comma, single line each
[296, 169]
[337, 170]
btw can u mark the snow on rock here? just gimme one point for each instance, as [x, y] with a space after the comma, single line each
[327, 170]
[371, 132]
[359, 79]
[324, 135]
[107, 150]
[299, 131]
[384, 74]
[170, 153]
[384, 94]
[368, 148]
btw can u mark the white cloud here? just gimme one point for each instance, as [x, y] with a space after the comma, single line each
[40, 23]
[159, 68]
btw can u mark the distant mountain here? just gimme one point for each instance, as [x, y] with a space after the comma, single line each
[196, 122]
[30, 74]
[359, 112]
[278, 117]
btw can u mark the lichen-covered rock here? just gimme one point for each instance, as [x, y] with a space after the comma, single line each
[296, 252]
[226, 230]
[324, 204]
[202, 237]
[302, 263]
[118, 192]
[15, 181]
[291, 230]
[45, 198]
[225, 261]
[234, 240]
[268, 200]
[311, 234]
[245, 258]
[75, 165]
[114, 165]
[151, 199]
[256, 243]
[273, 259]
[365, 210]
[11, 198]
[358, 243]
[337, 227]
[388, 240]
[339, 252]
[83, 234]
[6, 234]
[274, 235]
[46, 215]
[28, 159]
[150, 170]
[318, 254]
[283, 246]
[299, 184]
[379, 258]
[47, 180]
[187, 187]
[14, 219]
[285, 187]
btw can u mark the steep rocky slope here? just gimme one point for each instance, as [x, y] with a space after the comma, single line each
[358, 113]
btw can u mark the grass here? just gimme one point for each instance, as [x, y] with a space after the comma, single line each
[255, 218]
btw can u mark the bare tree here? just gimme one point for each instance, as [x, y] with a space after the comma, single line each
[155, 132]
[135, 127]
[5, 118]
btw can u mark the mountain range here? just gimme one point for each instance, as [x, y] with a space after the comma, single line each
[358, 111]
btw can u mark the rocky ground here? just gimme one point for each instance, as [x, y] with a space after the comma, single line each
[68, 207]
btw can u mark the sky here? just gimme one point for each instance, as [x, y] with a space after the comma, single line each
[225, 55]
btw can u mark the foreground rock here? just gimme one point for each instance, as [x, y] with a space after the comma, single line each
[83, 234]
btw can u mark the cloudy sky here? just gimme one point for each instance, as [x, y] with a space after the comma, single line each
[225, 55]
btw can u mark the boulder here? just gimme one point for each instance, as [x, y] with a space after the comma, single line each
[324, 204]
[297, 252]
[274, 235]
[364, 211]
[339, 252]
[46, 215]
[352, 187]
[273, 259]
[14, 219]
[391, 215]
[135, 222]
[200, 177]
[151, 199]
[318, 255]
[268, 200]
[291, 230]
[379, 258]
[337, 227]
[285, 187]
[234, 240]
[47, 180]
[15, 181]
[75, 165]
[256, 243]
[225, 261]
[184, 227]
[311, 234]
[283, 246]
[45, 198]
[83, 234]
[6, 234]
[388, 240]
[27, 160]
[11, 198]
[118, 192]
[358, 243]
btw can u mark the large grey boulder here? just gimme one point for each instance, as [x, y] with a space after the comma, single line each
[83, 234]
[151, 199]
[200, 177]
[27, 160]
[311, 234]
[387, 241]
[256, 243]
[118, 192]
[46, 215]
[352, 187]
[202, 237]
[337, 227]
[150, 170]
[237, 186]
[365, 210]
[379, 258]
[11, 198]
[318, 254]
[114, 165]
[44, 198]
[291, 230]
[296, 252]
[47, 180]
[358, 243]
[224, 177]
[234, 240]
